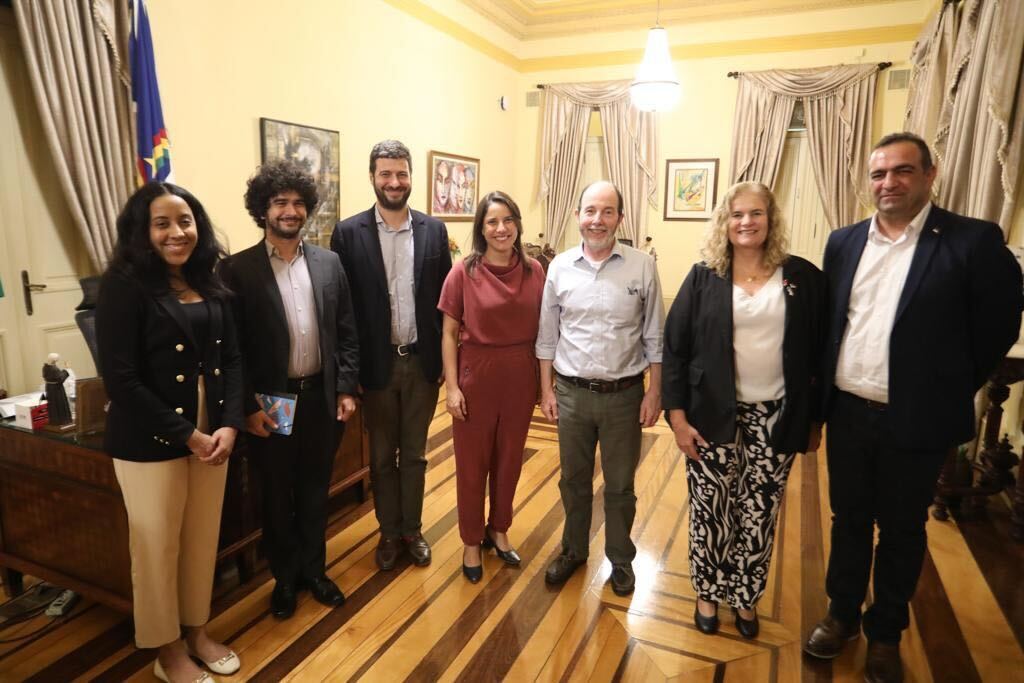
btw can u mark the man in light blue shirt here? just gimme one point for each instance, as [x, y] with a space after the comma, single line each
[600, 330]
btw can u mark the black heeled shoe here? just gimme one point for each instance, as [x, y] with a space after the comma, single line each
[706, 625]
[748, 628]
[509, 557]
[474, 574]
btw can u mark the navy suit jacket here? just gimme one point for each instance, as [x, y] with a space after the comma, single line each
[957, 316]
[357, 242]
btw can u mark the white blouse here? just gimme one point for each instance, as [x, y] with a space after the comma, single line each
[758, 327]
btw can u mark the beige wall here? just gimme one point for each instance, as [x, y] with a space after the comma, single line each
[365, 69]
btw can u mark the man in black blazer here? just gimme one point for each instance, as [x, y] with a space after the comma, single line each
[297, 335]
[923, 304]
[396, 260]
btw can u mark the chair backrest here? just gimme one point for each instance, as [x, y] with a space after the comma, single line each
[87, 324]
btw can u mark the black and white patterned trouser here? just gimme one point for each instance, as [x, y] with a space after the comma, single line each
[735, 490]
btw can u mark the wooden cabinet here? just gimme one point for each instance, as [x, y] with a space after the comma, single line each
[62, 517]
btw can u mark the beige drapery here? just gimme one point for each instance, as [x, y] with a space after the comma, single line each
[630, 142]
[76, 52]
[838, 105]
[978, 140]
[931, 60]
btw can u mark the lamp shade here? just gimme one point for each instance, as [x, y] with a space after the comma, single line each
[656, 87]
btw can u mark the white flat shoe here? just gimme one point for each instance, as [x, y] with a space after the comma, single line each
[159, 672]
[225, 666]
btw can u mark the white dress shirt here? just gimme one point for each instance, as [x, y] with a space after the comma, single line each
[296, 287]
[602, 322]
[863, 365]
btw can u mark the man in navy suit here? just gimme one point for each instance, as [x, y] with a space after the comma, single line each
[396, 260]
[923, 304]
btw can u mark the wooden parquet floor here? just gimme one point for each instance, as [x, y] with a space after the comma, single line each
[427, 624]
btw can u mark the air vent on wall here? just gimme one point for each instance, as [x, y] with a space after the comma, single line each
[533, 98]
[899, 79]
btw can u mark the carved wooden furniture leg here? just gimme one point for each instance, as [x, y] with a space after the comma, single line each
[947, 481]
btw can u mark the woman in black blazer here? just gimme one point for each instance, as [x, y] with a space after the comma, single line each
[741, 359]
[172, 370]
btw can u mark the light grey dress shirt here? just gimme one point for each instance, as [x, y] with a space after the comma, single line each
[296, 289]
[602, 322]
[396, 247]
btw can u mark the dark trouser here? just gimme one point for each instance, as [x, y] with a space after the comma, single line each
[398, 417]
[296, 475]
[586, 419]
[735, 492]
[500, 388]
[871, 481]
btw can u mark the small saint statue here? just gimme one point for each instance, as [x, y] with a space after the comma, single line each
[56, 398]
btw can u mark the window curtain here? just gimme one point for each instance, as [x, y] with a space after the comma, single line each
[931, 61]
[838, 104]
[978, 140]
[76, 52]
[630, 140]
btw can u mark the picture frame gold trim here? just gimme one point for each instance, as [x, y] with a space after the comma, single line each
[691, 189]
[454, 196]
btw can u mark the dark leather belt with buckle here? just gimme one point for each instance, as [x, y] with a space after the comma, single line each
[603, 386]
[871, 405]
[404, 349]
[297, 385]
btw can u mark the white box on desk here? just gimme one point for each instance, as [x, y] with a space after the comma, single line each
[31, 414]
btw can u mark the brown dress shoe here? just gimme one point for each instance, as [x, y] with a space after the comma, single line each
[828, 637]
[387, 552]
[419, 549]
[883, 663]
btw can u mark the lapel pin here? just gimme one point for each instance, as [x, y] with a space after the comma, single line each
[935, 230]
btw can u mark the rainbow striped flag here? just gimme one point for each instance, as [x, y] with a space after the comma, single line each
[152, 148]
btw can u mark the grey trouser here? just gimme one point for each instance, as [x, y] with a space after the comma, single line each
[586, 419]
[397, 418]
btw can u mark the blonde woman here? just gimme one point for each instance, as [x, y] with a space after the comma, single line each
[742, 349]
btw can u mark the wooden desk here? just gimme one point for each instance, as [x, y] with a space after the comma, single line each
[62, 517]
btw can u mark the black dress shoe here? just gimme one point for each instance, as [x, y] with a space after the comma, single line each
[748, 628]
[509, 557]
[623, 579]
[562, 568]
[387, 552]
[706, 625]
[828, 637]
[883, 663]
[282, 600]
[419, 549]
[325, 591]
[474, 574]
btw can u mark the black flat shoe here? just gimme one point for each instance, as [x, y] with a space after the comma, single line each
[748, 628]
[706, 625]
[509, 557]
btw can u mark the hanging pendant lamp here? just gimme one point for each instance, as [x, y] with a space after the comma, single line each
[656, 86]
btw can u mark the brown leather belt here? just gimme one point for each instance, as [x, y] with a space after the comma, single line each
[297, 385]
[603, 386]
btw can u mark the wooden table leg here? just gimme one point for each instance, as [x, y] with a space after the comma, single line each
[1017, 506]
[947, 480]
[14, 580]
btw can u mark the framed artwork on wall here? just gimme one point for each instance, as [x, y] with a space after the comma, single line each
[318, 150]
[691, 189]
[454, 186]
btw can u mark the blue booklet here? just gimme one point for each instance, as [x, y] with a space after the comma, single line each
[281, 409]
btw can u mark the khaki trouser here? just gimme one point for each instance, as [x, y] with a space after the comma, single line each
[174, 511]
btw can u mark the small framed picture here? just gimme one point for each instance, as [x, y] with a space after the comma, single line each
[454, 186]
[691, 189]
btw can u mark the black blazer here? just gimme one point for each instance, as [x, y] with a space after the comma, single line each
[698, 365]
[263, 328]
[957, 316]
[150, 364]
[356, 241]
